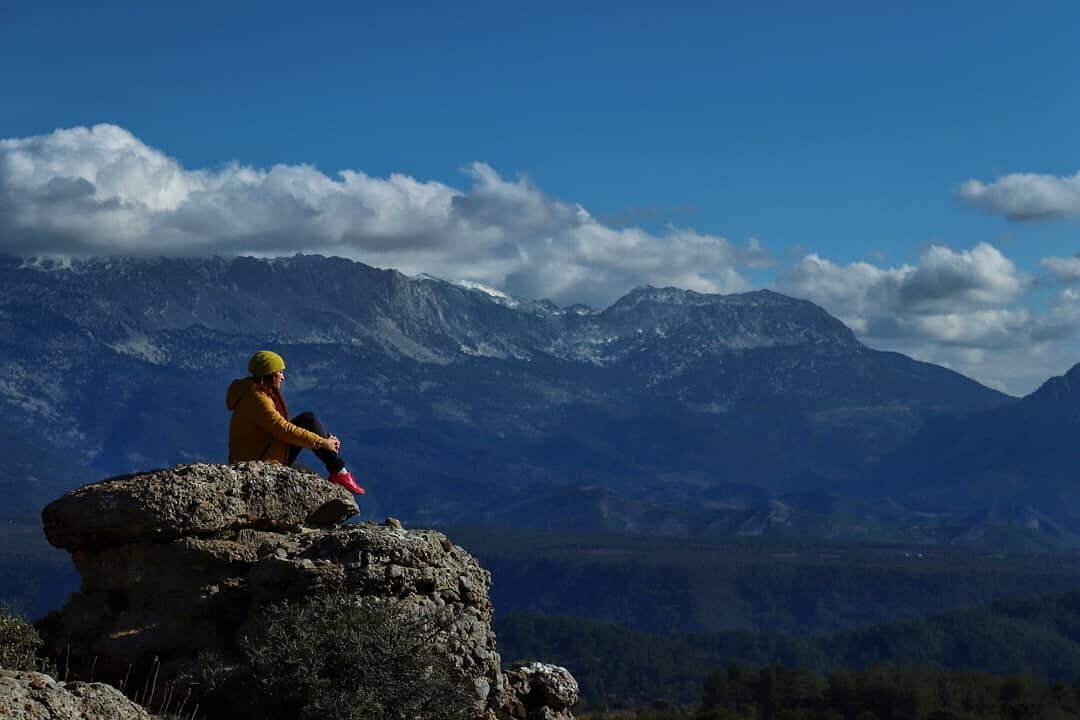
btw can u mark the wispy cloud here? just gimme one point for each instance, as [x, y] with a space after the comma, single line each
[100, 190]
[1026, 196]
[1066, 270]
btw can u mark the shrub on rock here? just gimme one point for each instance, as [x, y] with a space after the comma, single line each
[19, 643]
[335, 656]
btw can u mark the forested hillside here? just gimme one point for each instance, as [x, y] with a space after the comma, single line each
[616, 664]
[878, 693]
[883, 693]
[805, 589]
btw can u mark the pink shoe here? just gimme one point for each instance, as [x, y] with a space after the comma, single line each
[345, 479]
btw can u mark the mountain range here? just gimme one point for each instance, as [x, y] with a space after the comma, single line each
[669, 411]
[1025, 454]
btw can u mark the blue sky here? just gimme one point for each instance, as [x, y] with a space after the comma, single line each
[819, 149]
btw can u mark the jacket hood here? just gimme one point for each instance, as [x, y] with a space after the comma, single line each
[237, 390]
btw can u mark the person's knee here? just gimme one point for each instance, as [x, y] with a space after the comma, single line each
[308, 421]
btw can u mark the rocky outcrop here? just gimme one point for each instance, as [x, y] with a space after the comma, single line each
[36, 696]
[175, 563]
[539, 691]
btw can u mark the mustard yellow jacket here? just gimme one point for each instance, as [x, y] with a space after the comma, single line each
[260, 427]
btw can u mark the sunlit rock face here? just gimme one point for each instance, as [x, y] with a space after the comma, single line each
[176, 562]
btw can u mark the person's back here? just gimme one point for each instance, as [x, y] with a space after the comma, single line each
[255, 417]
[260, 428]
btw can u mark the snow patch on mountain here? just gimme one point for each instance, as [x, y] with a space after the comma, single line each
[47, 263]
[140, 346]
[498, 295]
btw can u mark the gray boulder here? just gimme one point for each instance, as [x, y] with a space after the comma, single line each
[35, 696]
[540, 691]
[193, 500]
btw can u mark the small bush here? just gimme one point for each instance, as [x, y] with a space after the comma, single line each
[19, 643]
[338, 657]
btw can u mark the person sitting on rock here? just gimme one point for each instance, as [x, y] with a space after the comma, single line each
[260, 428]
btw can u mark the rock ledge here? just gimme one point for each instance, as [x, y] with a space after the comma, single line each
[192, 500]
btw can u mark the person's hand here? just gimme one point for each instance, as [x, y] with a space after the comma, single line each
[332, 443]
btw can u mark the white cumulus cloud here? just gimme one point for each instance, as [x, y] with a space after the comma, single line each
[958, 308]
[1026, 196]
[101, 191]
[930, 298]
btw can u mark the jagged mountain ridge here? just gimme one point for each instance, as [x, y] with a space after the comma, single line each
[455, 401]
[431, 318]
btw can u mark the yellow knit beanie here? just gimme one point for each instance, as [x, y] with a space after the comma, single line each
[265, 362]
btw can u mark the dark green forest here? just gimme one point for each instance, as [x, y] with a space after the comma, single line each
[674, 585]
[876, 693]
[615, 664]
[884, 693]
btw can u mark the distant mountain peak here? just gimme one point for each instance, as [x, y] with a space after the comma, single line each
[665, 295]
[755, 319]
[1060, 388]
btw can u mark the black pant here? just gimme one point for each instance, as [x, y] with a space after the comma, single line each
[309, 421]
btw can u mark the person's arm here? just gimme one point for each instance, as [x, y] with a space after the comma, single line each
[269, 419]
